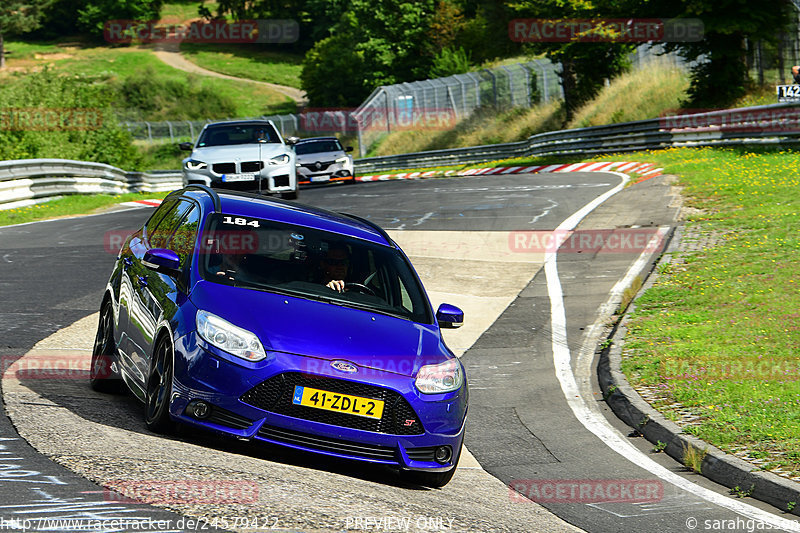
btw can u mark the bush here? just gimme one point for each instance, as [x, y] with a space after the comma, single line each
[43, 115]
[158, 97]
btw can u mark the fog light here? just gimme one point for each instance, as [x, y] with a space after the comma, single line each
[443, 454]
[199, 409]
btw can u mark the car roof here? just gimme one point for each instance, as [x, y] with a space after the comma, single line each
[239, 122]
[266, 207]
[316, 139]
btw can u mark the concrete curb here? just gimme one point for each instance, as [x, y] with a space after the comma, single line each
[717, 465]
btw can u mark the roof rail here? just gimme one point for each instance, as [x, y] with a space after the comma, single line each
[211, 192]
[374, 226]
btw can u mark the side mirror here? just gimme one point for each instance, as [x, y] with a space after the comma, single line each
[449, 316]
[291, 141]
[160, 259]
[186, 146]
[348, 149]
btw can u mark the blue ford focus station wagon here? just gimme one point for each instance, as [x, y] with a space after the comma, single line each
[277, 322]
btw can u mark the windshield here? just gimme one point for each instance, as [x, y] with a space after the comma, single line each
[228, 134]
[312, 147]
[308, 263]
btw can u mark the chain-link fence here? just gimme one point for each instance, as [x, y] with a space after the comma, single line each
[442, 101]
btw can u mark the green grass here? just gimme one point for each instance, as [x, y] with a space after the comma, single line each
[637, 95]
[183, 10]
[718, 334]
[116, 64]
[251, 61]
[69, 206]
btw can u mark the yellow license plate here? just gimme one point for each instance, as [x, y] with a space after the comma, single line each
[334, 401]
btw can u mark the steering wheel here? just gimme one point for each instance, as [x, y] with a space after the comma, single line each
[360, 287]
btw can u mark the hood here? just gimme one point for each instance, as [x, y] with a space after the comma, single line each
[319, 156]
[325, 331]
[243, 152]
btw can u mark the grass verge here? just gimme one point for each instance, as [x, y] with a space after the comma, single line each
[70, 206]
[715, 341]
[246, 61]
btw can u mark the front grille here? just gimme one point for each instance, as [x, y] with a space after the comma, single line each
[322, 166]
[422, 454]
[252, 166]
[275, 395]
[224, 168]
[317, 442]
[281, 181]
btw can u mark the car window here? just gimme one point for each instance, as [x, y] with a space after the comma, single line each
[231, 134]
[159, 234]
[183, 239]
[312, 147]
[300, 261]
[165, 207]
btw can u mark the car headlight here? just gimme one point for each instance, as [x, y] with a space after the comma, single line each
[343, 160]
[444, 377]
[193, 164]
[230, 338]
[279, 160]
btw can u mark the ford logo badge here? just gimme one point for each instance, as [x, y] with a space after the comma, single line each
[344, 366]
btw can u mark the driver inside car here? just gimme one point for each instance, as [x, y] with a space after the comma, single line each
[335, 266]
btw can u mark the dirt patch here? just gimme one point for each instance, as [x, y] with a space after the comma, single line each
[52, 56]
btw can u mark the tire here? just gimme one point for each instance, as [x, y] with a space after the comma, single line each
[101, 377]
[159, 389]
[290, 195]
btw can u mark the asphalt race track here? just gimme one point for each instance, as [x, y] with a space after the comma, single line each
[533, 329]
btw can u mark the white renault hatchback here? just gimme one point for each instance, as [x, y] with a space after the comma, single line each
[244, 155]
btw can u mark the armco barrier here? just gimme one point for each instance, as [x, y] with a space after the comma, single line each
[777, 124]
[28, 180]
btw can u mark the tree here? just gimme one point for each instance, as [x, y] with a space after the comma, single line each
[720, 74]
[19, 17]
[584, 65]
[378, 42]
[94, 14]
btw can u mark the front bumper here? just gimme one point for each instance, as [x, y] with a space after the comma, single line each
[271, 179]
[203, 373]
[336, 172]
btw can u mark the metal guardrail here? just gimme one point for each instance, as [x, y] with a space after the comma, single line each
[769, 124]
[25, 181]
[33, 179]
